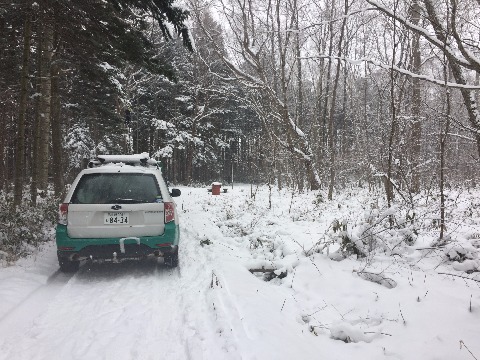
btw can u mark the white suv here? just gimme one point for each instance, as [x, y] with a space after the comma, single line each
[119, 208]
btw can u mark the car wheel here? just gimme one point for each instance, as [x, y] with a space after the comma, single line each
[67, 265]
[171, 260]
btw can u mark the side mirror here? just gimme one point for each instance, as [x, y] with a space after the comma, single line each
[175, 192]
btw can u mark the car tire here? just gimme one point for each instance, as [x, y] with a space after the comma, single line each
[68, 266]
[171, 260]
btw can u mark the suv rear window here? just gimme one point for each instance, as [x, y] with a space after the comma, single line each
[115, 188]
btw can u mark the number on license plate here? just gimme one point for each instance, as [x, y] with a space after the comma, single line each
[116, 218]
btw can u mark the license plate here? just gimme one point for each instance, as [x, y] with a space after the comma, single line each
[116, 218]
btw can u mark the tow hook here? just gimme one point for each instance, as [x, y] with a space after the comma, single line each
[115, 260]
[122, 242]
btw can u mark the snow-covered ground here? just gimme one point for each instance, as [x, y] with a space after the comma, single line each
[213, 307]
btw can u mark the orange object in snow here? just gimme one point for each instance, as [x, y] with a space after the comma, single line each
[216, 188]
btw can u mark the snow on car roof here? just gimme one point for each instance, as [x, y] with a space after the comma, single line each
[121, 167]
[133, 158]
[142, 159]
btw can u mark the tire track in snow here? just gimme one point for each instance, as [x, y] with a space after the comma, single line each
[109, 311]
[23, 315]
[131, 310]
[56, 278]
[120, 311]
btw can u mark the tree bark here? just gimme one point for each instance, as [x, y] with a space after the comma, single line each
[45, 102]
[36, 119]
[388, 179]
[329, 76]
[299, 113]
[416, 136]
[56, 127]
[20, 148]
[3, 169]
[331, 129]
[443, 145]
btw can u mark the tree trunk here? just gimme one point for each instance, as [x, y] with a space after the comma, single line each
[320, 113]
[20, 149]
[416, 136]
[45, 103]
[443, 143]
[343, 145]
[36, 121]
[190, 149]
[300, 108]
[388, 180]
[277, 166]
[56, 126]
[331, 132]
[299, 113]
[329, 76]
[3, 168]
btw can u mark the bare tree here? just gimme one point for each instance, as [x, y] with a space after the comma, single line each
[252, 72]
[459, 51]
[416, 135]
[331, 134]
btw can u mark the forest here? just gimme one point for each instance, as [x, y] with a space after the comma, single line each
[306, 95]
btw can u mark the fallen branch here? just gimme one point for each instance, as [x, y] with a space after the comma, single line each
[431, 247]
[269, 274]
[462, 344]
[377, 278]
[262, 270]
[374, 332]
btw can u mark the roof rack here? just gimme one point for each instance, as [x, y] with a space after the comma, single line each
[142, 159]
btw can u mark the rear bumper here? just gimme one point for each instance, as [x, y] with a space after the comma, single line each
[104, 248]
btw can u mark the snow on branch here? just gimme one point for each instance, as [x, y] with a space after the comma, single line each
[398, 69]
[428, 36]
[299, 131]
[465, 52]
[462, 137]
[343, 16]
[307, 157]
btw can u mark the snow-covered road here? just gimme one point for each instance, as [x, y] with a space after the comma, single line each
[129, 310]
[213, 308]
[101, 312]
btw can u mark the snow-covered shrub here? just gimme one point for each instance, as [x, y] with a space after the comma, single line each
[461, 252]
[229, 213]
[338, 226]
[348, 333]
[350, 243]
[261, 242]
[22, 230]
[350, 246]
[319, 198]
[467, 266]
[385, 230]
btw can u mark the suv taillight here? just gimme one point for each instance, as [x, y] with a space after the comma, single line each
[169, 212]
[62, 213]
